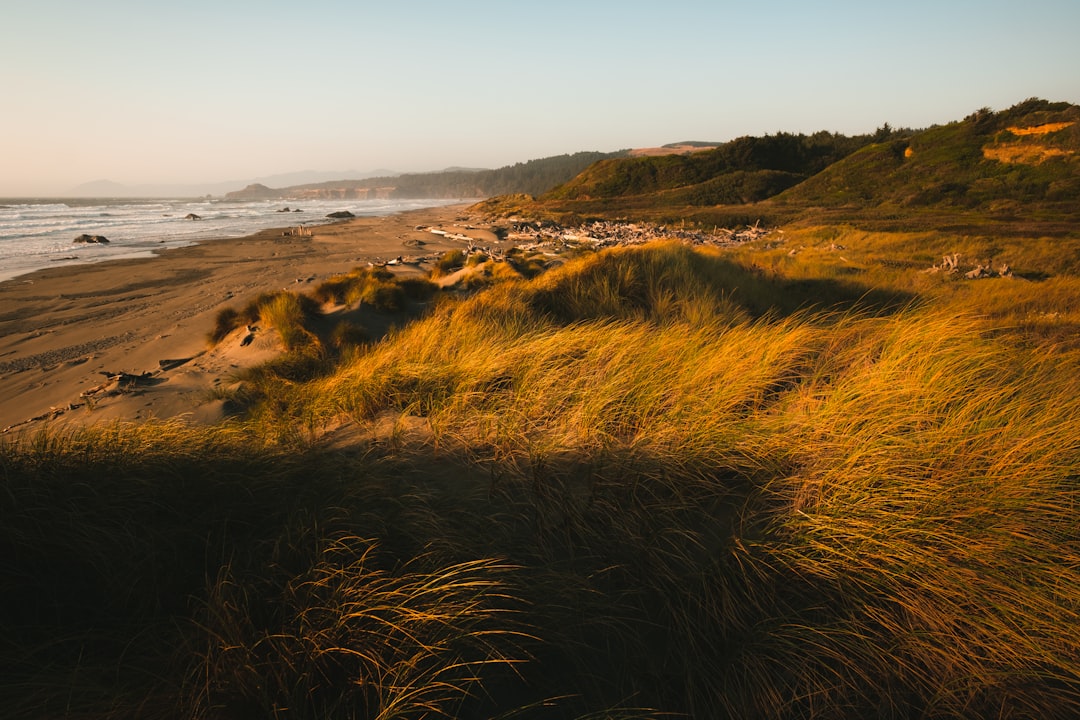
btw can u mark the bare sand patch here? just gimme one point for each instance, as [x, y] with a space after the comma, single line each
[1025, 153]
[1044, 129]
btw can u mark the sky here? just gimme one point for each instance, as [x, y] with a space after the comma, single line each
[207, 91]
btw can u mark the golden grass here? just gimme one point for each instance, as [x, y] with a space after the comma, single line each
[350, 640]
[745, 484]
[448, 263]
[908, 434]
[286, 313]
[374, 286]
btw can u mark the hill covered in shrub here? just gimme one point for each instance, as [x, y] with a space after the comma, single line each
[1020, 165]
[1022, 160]
[744, 170]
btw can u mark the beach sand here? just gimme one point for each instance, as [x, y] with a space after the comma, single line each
[65, 331]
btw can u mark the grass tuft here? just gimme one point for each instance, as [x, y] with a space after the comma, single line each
[449, 262]
[348, 639]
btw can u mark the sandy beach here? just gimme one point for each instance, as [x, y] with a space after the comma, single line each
[66, 331]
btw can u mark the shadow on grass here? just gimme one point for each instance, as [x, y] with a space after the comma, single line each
[113, 566]
[646, 282]
[226, 580]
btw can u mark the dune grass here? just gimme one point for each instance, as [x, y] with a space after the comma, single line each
[289, 313]
[655, 480]
[448, 263]
[375, 286]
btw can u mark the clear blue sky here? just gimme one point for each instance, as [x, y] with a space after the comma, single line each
[207, 91]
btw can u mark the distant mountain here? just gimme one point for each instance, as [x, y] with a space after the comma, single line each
[316, 176]
[254, 191]
[693, 144]
[349, 179]
[532, 177]
[100, 188]
[683, 148]
[108, 188]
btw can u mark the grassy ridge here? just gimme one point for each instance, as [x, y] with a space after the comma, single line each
[753, 484]
[1016, 170]
[757, 167]
[983, 162]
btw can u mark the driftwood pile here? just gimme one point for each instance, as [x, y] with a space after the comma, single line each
[950, 265]
[604, 233]
[553, 239]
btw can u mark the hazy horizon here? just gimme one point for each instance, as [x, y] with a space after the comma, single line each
[207, 94]
[105, 187]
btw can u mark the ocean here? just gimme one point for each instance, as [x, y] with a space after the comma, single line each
[39, 233]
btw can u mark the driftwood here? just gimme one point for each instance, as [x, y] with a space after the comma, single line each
[603, 233]
[951, 264]
[120, 382]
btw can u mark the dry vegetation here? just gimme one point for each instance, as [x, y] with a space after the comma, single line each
[801, 478]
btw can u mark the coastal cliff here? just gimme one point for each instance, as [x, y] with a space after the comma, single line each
[343, 192]
[255, 191]
[532, 177]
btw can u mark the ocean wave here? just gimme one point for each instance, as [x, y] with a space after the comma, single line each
[37, 235]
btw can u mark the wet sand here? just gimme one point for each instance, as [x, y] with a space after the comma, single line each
[66, 331]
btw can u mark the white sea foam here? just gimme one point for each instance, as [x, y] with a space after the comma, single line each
[40, 234]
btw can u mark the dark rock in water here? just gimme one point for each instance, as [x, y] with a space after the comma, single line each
[285, 209]
[91, 239]
[298, 210]
[340, 214]
[192, 216]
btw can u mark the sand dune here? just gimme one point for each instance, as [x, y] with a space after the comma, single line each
[126, 340]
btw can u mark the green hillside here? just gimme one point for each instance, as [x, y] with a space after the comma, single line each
[1019, 166]
[1024, 159]
[744, 170]
[533, 177]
